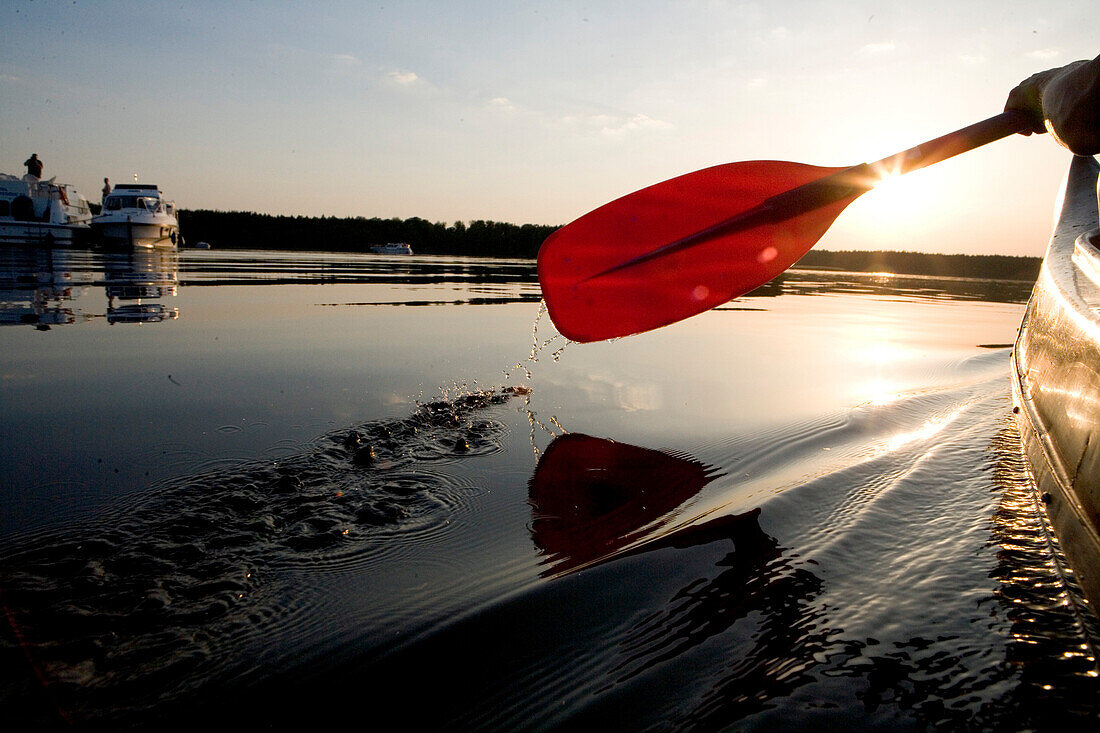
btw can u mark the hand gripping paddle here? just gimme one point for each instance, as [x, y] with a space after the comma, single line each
[688, 244]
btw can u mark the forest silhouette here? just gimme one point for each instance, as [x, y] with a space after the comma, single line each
[483, 238]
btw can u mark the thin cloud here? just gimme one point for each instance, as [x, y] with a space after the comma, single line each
[346, 60]
[503, 104]
[633, 123]
[878, 49]
[347, 65]
[1044, 53]
[403, 78]
[973, 59]
[590, 123]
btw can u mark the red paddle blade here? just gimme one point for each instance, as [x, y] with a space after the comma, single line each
[590, 296]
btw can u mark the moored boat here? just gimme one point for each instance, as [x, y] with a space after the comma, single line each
[392, 248]
[137, 215]
[41, 212]
[1056, 378]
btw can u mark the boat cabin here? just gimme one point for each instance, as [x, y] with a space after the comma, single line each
[144, 196]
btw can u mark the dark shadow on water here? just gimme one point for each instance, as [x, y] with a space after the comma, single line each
[690, 628]
[713, 626]
[637, 622]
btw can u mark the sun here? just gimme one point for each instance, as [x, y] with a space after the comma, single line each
[898, 210]
[900, 197]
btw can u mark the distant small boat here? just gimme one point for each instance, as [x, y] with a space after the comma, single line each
[41, 212]
[392, 248]
[137, 215]
[1056, 377]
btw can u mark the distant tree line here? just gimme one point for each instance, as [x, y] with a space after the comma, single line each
[997, 267]
[246, 230]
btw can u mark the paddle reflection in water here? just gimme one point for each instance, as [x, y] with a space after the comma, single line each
[593, 497]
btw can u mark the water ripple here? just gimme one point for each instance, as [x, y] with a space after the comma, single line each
[1054, 634]
[141, 604]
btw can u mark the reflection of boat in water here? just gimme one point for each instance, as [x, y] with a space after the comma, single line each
[38, 287]
[141, 313]
[1056, 377]
[41, 287]
[392, 248]
[137, 215]
[138, 275]
[141, 274]
[41, 212]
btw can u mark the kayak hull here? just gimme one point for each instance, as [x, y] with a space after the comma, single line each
[1056, 378]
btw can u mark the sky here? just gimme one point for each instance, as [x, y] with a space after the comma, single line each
[537, 112]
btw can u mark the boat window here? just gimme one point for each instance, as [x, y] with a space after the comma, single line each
[114, 203]
[5, 208]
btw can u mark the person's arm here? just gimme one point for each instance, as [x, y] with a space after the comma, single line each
[1065, 102]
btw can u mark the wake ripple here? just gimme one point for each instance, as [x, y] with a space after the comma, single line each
[1054, 634]
[144, 602]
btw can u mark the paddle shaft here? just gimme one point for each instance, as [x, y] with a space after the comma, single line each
[847, 183]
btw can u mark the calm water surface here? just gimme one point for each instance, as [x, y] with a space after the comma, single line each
[285, 490]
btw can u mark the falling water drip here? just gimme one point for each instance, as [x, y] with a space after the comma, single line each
[551, 426]
[537, 347]
[534, 422]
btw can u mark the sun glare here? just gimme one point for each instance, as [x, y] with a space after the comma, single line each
[897, 206]
[895, 195]
[880, 392]
[882, 352]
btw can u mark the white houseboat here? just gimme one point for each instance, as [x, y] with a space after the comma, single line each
[41, 212]
[137, 215]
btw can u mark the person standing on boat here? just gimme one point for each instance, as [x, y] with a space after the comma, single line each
[34, 166]
[106, 189]
[1064, 102]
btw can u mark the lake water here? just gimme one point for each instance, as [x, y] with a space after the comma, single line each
[281, 490]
